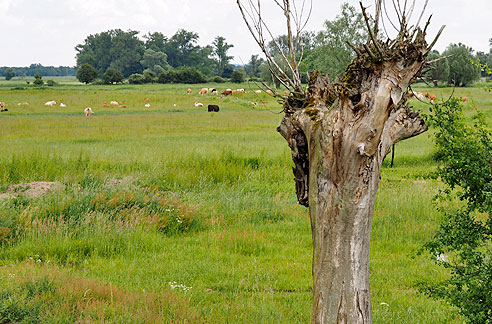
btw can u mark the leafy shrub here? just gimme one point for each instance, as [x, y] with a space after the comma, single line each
[38, 79]
[149, 76]
[238, 76]
[187, 74]
[254, 79]
[9, 74]
[167, 77]
[51, 83]
[112, 76]
[218, 79]
[136, 78]
[184, 74]
[463, 242]
[87, 73]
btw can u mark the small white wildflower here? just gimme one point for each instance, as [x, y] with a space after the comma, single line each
[174, 285]
[38, 260]
[442, 257]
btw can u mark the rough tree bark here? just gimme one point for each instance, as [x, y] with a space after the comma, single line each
[339, 134]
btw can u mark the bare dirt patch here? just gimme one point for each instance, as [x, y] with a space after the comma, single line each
[32, 189]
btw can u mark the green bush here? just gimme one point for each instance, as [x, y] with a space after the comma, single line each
[149, 76]
[112, 76]
[9, 74]
[218, 79]
[463, 242]
[38, 79]
[51, 83]
[184, 74]
[187, 74]
[136, 78]
[86, 73]
[167, 77]
[238, 76]
[254, 79]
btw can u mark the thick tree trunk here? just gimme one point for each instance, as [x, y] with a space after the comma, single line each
[339, 138]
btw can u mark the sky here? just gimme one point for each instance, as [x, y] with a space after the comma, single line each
[47, 31]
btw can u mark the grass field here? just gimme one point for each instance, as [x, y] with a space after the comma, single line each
[172, 214]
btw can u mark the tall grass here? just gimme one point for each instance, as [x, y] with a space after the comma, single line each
[174, 202]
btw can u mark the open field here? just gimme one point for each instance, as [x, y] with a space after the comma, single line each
[203, 227]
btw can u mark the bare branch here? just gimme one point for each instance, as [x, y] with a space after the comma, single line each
[438, 59]
[378, 16]
[429, 48]
[422, 13]
[387, 16]
[366, 18]
[356, 50]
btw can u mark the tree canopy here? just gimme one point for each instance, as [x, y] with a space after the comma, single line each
[219, 52]
[86, 73]
[124, 51]
[462, 70]
[331, 53]
[9, 73]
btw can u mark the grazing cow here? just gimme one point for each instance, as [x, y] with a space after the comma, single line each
[88, 112]
[263, 102]
[203, 91]
[465, 99]
[146, 99]
[420, 96]
[270, 92]
[410, 94]
[122, 106]
[214, 92]
[213, 108]
[258, 91]
[254, 104]
[427, 95]
[432, 97]
[50, 103]
[286, 92]
[105, 105]
[188, 91]
[2, 106]
[4, 110]
[147, 105]
[23, 104]
[62, 105]
[114, 103]
[227, 92]
[198, 104]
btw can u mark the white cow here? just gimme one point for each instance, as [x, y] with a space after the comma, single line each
[88, 112]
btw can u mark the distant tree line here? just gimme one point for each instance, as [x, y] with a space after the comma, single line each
[10, 72]
[152, 58]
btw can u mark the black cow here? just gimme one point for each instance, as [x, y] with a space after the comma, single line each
[5, 109]
[213, 108]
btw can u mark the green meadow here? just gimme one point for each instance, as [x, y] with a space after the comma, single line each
[172, 214]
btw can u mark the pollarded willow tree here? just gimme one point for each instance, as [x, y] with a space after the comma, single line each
[339, 133]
